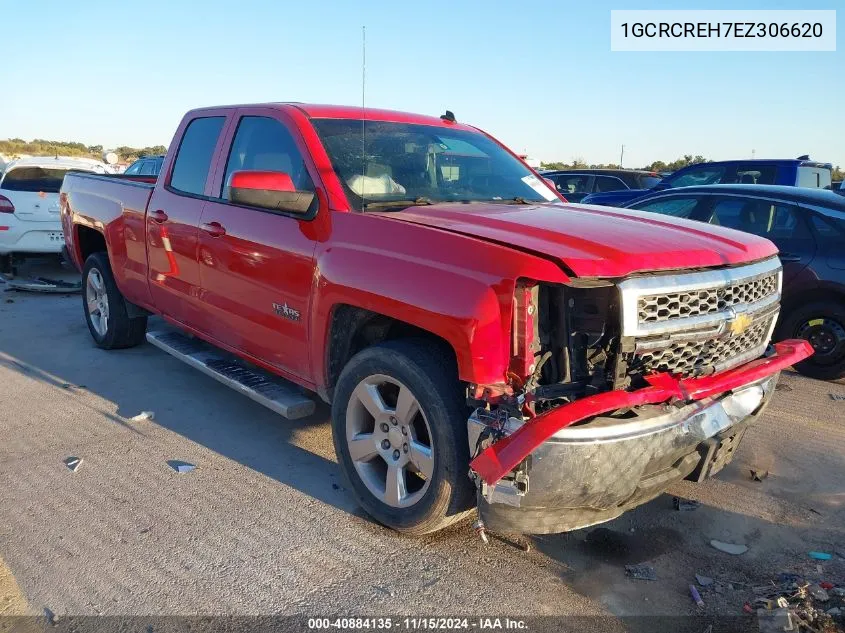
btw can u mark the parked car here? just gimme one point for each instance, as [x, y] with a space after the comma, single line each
[29, 205]
[808, 226]
[798, 172]
[574, 184]
[145, 166]
[455, 313]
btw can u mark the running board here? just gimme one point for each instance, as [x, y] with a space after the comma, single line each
[273, 392]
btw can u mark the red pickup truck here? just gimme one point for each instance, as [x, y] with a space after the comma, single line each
[480, 341]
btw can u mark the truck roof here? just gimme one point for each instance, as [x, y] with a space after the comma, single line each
[325, 111]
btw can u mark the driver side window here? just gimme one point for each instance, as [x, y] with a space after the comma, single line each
[264, 144]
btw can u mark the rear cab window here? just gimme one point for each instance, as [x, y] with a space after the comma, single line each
[196, 150]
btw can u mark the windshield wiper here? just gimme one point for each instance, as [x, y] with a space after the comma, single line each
[516, 200]
[416, 202]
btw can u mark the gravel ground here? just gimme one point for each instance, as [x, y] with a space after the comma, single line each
[263, 525]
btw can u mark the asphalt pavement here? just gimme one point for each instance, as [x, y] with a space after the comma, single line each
[263, 524]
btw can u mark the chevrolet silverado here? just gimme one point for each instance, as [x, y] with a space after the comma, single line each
[481, 342]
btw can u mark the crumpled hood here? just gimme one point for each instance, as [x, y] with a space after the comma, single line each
[596, 241]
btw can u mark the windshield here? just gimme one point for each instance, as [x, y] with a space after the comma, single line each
[381, 162]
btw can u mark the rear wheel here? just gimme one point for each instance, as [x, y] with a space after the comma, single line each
[105, 308]
[822, 323]
[399, 428]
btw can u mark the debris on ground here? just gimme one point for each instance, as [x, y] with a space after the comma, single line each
[759, 475]
[180, 466]
[42, 284]
[817, 593]
[73, 463]
[696, 597]
[143, 416]
[820, 555]
[641, 572]
[794, 603]
[685, 505]
[734, 549]
[836, 396]
[703, 581]
[782, 386]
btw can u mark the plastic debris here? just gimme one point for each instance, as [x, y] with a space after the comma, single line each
[835, 611]
[836, 396]
[180, 467]
[776, 620]
[782, 386]
[42, 284]
[143, 416]
[73, 463]
[696, 596]
[685, 505]
[827, 586]
[759, 475]
[703, 581]
[820, 555]
[839, 592]
[783, 602]
[641, 572]
[729, 548]
[817, 593]
[747, 608]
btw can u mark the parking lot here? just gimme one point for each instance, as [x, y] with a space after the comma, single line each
[263, 524]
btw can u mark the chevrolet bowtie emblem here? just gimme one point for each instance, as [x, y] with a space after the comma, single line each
[739, 324]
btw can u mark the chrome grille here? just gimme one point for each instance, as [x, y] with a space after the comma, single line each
[678, 305]
[700, 322]
[689, 358]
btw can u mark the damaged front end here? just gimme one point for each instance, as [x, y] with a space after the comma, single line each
[618, 389]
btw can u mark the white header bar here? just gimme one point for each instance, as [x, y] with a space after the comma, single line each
[755, 30]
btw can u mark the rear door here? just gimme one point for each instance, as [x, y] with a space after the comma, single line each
[173, 215]
[34, 191]
[257, 265]
[782, 223]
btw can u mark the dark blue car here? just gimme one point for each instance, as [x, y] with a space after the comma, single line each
[808, 227]
[800, 172]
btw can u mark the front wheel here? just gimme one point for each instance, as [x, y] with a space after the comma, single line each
[400, 433]
[822, 323]
[105, 308]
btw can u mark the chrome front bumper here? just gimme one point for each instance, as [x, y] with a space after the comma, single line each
[591, 473]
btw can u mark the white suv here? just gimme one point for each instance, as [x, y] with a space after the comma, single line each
[29, 203]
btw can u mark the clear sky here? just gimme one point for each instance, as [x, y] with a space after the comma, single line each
[539, 76]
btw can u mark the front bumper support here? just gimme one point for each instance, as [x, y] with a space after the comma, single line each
[500, 458]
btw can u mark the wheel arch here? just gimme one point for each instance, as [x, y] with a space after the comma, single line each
[352, 329]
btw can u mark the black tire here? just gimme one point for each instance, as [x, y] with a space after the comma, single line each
[430, 373]
[121, 331]
[798, 323]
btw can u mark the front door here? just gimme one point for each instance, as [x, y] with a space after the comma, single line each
[257, 266]
[173, 215]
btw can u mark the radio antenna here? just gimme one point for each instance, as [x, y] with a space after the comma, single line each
[363, 115]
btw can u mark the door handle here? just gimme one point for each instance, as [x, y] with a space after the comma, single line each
[787, 258]
[158, 216]
[214, 229]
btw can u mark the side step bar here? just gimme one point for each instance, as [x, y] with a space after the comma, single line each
[266, 389]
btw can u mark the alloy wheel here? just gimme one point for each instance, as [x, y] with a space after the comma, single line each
[390, 441]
